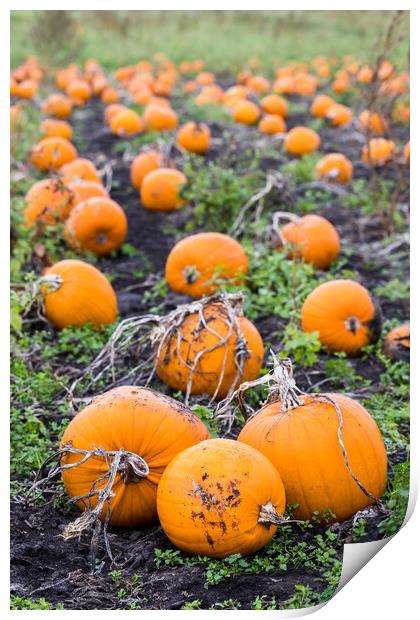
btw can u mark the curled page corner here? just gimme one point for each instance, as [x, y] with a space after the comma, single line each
[355, 556]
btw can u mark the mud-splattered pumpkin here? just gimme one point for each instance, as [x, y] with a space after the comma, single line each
[216, 498]
[301, 141]
[51, 153]
[151, 428]
[194, 137]
[198, 264]
[344, 315]
[142, 164]
[334, 168]
[313, 238]
[160, 189]
[98, 225]
[76, 293]
[303, 444]
[211, 357]
[397, 343]
[48, 202]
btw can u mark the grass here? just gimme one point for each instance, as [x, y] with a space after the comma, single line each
[223, 39]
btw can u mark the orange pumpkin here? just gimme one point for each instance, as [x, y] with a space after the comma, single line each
[27, 89]
[83, 190]
[406, 153]
[284, 85]
[79, 90]
[56, 128]
[344, 315]
[80, 169]
[126, 123]
[198, 264]
[258, 84]
[301, 141]
[397, 343]
[160, 189]
[160, 118]
[98, 225]
[274, 104]
[58, 105]
[212, 499]
[194, 137]
[48, 201]
[339, 115]
[205, 78]
[334, 168]
[272, 124]
[378, 152]
[365, 75]
[372, 121]
[52, 153]
[246, 112]
[142, 164]
[151, 428]
[109, 95]
[112, 109]
[302, 443]
[197, 360]
[76, 293]
[313, 238]
[320, 105]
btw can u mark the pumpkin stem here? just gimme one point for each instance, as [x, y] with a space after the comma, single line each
[191, 274]
[269, 516]
[52, 282]
[352, 324]
[101, 238]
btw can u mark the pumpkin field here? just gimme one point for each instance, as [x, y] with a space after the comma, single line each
[210, 341]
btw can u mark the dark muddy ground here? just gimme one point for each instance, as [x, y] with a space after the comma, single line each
[42, 563]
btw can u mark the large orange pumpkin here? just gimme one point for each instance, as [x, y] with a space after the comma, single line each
[198, 264]
[213, 499]
[194, 137]
[344, 315]
[52, 153]
[303, 444]
[80, 169]
[160, 189]
[48, 202]
[301, 141]
[150, 428]
[142, 164]
[76, 293]
[313, 238]
[203, 359]
[334, 168]
[98, 225]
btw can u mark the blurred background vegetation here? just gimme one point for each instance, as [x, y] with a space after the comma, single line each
[225, 40]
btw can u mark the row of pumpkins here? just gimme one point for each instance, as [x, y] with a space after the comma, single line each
[212, 496]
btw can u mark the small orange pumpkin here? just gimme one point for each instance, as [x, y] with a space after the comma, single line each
[302, 442]
[272, 124]
[79, 90]
[397, 343]
[202, 359]
[151, 428]
[301, 141]
[58, 105]
[198, 264]
[320, 105]
[258, 83]
[126, 123]
[194, 137]
[212, 499]
[76, 293]
[372, 121]
[109, 95]
[160, 189]
[406, 153]
[80, 169]
[344, 315]
[57, 128]
[160, 118]
[27, 89]
[274, 104]
[112, 109]
[365, 75]
[378, 152]
[142, 164]
[52, 153]
[339, 115]
[83, 190]
[48, 202]
[246, 112]
[98, 225]
[334, 168]
[313, 238]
